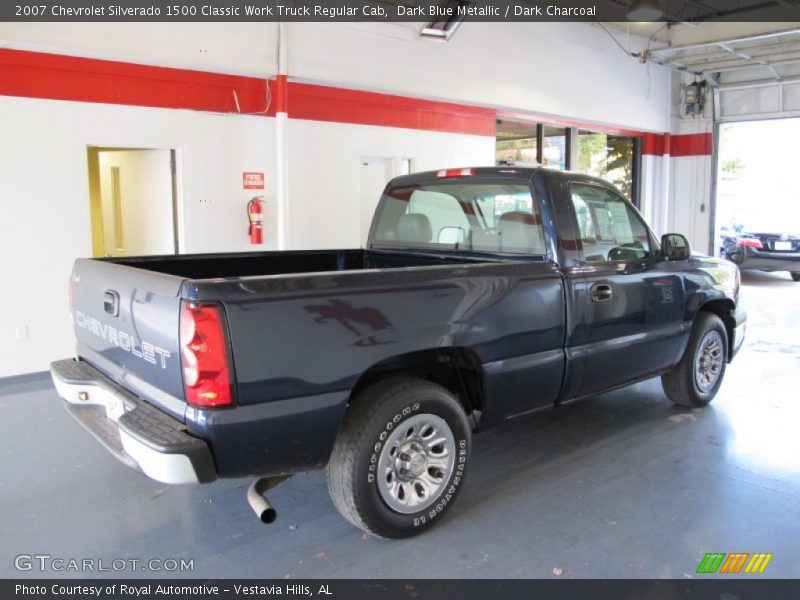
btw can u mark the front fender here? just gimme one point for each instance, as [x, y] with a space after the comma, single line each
[713, 285]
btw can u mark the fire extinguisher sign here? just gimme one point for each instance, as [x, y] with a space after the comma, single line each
[252, 180]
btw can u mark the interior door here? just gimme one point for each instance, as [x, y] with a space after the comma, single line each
[636, 299]
[137, 204]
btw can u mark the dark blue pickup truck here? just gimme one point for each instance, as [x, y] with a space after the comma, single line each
[483, 294]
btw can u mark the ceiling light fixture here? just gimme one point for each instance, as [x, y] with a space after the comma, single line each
[452, 14]
[645, 10]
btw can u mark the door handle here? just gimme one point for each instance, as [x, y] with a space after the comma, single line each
[601, 292]
[111, 303]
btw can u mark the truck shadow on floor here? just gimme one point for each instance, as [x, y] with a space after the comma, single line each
[614, 432]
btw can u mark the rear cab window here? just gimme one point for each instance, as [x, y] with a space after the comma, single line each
[461, 215]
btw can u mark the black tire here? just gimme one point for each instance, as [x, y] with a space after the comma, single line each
[795, 275]
[682, 385]
[370, 426]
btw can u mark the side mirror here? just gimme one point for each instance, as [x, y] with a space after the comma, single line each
[675, 246]
[451, 235]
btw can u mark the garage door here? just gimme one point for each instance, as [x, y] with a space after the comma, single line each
[759, 101]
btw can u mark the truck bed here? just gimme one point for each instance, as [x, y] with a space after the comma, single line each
[250, 264]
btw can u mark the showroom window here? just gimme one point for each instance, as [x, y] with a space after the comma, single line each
[610, 157]
[554, 147]
[517, 142]
[520, 142]
[615, 158]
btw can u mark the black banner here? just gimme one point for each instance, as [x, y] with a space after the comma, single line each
[381, 589]
[385, 10]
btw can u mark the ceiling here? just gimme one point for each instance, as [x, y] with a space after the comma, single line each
[704, 37]
[710, 40]
[697, 11]
[771, 54]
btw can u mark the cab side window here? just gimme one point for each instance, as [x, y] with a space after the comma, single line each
[610, 230]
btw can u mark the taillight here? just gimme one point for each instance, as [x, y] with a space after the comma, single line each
[749, 243]
[204, 356]
[455, 172]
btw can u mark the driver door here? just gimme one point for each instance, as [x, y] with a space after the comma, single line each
[635, 317]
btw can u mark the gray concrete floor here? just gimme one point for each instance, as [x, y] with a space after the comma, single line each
[621, 486]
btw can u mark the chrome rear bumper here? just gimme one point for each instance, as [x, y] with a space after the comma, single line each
[135, 432]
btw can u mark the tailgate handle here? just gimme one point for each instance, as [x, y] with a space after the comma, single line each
[601, 292]
[111, 302]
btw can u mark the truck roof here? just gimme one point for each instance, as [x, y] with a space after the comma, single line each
[499, 172]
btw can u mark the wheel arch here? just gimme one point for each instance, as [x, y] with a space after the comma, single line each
[458, 369]
[724, 309]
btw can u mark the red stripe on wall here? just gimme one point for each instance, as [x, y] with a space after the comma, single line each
[695, 144]
[653, 144]
[323, 103]
[280, 92]
[58, 77]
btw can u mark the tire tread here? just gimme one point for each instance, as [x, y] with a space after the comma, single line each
[341, 470]
[678, 384]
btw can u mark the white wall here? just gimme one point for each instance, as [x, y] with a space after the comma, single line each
[687, 203]
[325, 162]
[44, 201]
[44, 194]
[690, 197]
[238, 48]
[652, 189]
[567, 69]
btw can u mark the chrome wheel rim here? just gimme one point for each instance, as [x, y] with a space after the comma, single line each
[708, 361]
[415, 463]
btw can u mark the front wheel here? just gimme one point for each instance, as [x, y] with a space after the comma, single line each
[696, 379]
[401, 457]
[795, 275]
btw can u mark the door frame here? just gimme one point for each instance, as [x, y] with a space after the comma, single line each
[95, 200]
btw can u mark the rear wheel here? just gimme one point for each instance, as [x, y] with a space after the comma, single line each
[795, 275]
[401, 457]
[696, 379]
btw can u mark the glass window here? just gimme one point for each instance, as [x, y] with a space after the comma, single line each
[750, 101]
[791, 96]
[492, 217]
[609, 228]
[441, 209]
[516, 142]
[609, 157]
[554, 148]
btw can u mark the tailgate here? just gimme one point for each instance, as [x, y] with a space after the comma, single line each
[126, 321]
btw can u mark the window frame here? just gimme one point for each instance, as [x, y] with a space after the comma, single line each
[654, 253]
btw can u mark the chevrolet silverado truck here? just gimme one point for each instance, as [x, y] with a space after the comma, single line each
[482, 294]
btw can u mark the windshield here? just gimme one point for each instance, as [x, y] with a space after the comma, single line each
[461, 215]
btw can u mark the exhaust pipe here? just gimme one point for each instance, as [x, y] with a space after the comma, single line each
[258, 502]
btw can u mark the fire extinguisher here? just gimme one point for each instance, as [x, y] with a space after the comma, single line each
[255, 214]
